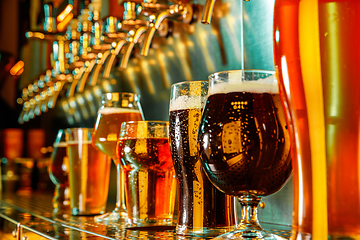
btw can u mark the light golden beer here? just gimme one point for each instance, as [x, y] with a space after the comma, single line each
[317, 58]
[88, 178]
[108, 128]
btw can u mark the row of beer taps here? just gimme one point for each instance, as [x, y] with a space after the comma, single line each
[85, 47]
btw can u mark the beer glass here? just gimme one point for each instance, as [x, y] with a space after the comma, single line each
[58, 172]
[316, 46]
[116, 108]
[89, 172]
[199, 201]
[244, 144]
[150, 183]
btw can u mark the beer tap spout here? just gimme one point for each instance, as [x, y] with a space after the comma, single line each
[114, 52]
[178, 12]
[207, 11]
[134, 38]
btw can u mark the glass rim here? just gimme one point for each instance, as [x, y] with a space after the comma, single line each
[145, 121]
[217, 74]
[189, 81]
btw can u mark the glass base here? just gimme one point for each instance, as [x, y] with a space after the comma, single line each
[249, 234]
[112, 217]
[201, 231]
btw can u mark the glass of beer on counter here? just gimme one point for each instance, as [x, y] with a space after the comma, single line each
[244, 144]
[203, 210]
[317, 60]
[89, 173]
[150, 183]
[58, 172]
[116, 108]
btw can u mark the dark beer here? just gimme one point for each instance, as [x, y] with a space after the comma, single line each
[149, 179]
[201, 206]
[59, 166]
[243, 140]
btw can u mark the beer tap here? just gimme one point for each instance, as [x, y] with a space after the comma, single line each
[131, 24]
[134, 38]
[207, 11]
[179, 11]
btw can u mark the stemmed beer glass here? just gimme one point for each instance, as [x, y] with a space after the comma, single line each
[116, 108]
[244, 144]
[58, 172]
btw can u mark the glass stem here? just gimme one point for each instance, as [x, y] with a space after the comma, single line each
[120, 198]
[249, 219]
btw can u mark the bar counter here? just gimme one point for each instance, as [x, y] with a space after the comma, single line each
[30, 217]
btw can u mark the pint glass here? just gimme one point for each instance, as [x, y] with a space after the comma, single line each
[317, 59]
[203, 210]
[150, 184]
[89, 172]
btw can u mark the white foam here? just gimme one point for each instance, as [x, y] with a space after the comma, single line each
[187, 102]
[266, 85]
[110, 110]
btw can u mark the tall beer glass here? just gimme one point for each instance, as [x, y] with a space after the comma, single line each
[150, 183]
[317, 59]
[58, 172]
[199, 201]
[244, 144]
[116, 108]
[89, 172]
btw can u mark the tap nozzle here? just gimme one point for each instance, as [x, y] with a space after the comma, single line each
[179, 12]
[207, 11]
[114, 52]
[134, 37]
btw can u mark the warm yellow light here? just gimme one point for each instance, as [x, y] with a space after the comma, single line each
[64, 13]
[62, 24]
[17, 69]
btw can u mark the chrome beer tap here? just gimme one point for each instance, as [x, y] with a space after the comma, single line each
[179, 11]
[207, 11]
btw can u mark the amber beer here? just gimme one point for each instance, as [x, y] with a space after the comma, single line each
[199, 201]
[252, 154]
[316, 46]
[89, 178]
[150, 183]
[108, 128]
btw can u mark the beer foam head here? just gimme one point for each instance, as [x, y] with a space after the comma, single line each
[187, 102]
[110, 110]
[264, 85]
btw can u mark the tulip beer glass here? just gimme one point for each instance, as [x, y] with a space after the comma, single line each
[203, 210]
[150, 183]
[116, 108]
[58, 172]
[244, 144]
[317, 59]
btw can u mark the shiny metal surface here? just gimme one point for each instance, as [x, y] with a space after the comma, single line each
[33, 215]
